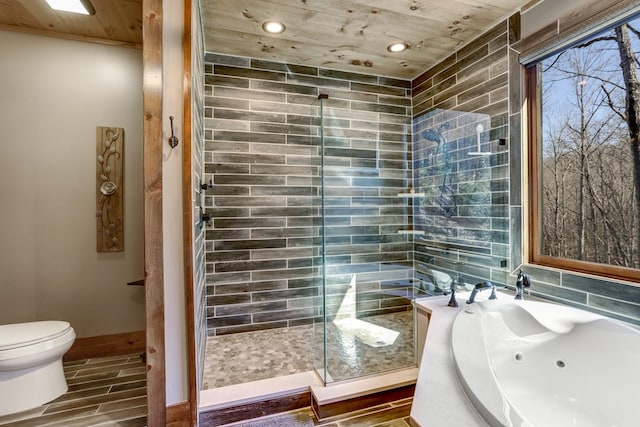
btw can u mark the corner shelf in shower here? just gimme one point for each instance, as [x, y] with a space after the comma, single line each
[410, 231]
[410, 195]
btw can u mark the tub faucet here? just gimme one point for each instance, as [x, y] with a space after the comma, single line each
[481, 287]
[522, 283]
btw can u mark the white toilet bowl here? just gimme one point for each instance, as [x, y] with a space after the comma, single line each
[31, 372]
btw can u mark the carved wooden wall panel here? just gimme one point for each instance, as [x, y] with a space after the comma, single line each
[109, 189]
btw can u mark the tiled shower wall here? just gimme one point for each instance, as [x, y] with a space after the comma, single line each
[461, 161]
[263, 156]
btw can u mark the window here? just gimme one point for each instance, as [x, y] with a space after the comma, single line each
[584, 107]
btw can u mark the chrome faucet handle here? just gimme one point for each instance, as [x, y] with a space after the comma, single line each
[522, 283]
[493, 292]
[452, 301]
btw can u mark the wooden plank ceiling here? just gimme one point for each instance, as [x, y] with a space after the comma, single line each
[351, 35]
[117, 22]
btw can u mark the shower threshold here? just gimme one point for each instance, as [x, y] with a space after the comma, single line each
[302, 390]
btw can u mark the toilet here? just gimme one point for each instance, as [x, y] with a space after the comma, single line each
[31, 372]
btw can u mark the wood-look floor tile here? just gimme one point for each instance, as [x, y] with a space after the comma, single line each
[114, 393]
[299, 418]
[401, 402]
[112, 381]
[134, 422]
[127, 357]
[30, 413]
[82, 394]
[95, 400]
[133, 371]
[91, 370]
[71, 363]
[356, 413]
[110, 419]
[99, 363]
[378, 417]
[57, 419]
[122, 404]
[91, 378]
[128, 386]
[393, 423]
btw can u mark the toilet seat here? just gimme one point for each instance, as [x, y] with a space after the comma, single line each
[17, 335]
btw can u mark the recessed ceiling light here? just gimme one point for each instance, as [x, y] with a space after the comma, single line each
[274, 27]
[397, 47]
[76, 6]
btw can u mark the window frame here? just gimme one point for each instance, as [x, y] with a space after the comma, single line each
[533, 115]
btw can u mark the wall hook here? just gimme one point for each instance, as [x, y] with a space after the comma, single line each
[173, 140]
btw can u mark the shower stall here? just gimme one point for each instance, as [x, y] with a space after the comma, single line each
[334, 205]
[311, 238]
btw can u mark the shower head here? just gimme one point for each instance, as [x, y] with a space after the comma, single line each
[432, 135]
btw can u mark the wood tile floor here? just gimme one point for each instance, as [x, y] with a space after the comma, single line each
[107, 391]
[112, 392]
[392, 414]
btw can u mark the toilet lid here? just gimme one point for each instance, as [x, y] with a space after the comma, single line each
[22, 334]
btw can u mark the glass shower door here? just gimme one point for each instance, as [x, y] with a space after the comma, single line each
[366, 322]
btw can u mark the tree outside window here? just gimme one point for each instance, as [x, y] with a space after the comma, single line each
[588, 155]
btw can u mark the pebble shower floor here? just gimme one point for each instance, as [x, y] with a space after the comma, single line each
[251, 356]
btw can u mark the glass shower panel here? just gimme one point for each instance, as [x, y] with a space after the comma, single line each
[461, 166]
[367, 311]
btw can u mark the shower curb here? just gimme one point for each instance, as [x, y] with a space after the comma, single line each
[341, 407]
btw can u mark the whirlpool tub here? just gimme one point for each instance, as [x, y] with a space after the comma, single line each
[527, 363]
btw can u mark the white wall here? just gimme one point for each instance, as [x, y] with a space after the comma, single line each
[53, 94]
[173, 258]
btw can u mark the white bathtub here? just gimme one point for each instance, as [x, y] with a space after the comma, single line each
[526, 363]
